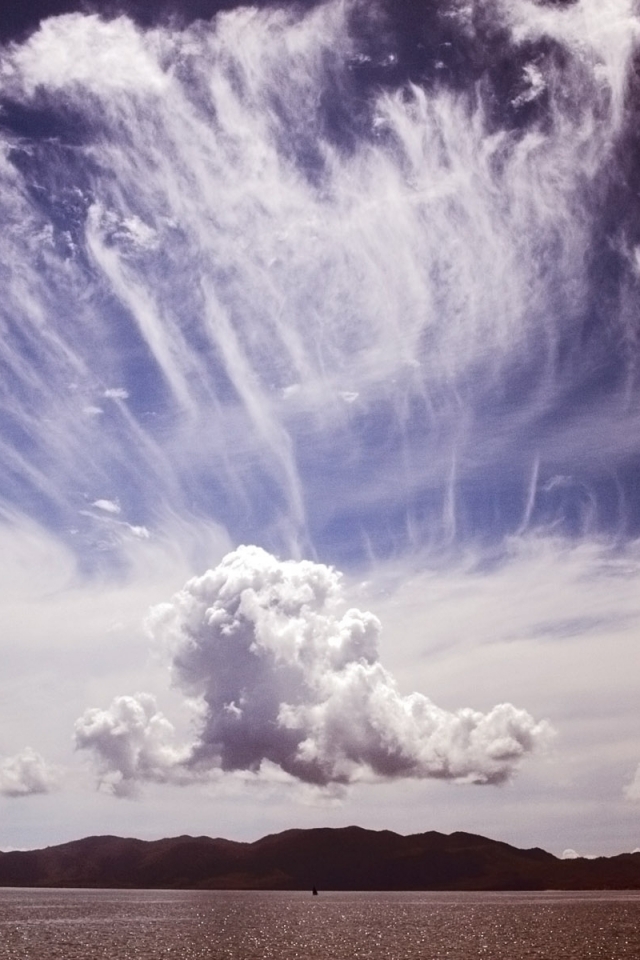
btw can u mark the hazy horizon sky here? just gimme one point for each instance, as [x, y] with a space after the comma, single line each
[319, 419]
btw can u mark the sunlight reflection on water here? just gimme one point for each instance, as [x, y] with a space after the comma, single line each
[193, 925]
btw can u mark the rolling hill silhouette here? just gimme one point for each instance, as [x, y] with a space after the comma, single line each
[350, 858]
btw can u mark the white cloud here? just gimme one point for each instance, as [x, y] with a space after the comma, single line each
[33, 563]
[116, 393]
[239, 278]
[283, 674]
[137, 531]
[566, 597]
[26, 773]
[132, 741]
[290, 391]
[140, 233]
[108, 55]
[570, 854]
[109, 506]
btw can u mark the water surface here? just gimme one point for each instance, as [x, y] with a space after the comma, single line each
[153, 925]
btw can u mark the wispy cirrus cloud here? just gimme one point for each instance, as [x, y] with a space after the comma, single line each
[275, 262]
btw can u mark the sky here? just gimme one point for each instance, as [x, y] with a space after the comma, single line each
[320, 419]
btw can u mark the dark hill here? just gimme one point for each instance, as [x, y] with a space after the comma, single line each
[346, 859]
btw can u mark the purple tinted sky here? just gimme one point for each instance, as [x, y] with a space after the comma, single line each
[356, 284]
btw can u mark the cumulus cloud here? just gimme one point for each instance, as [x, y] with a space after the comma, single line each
[283, 675]
[570, 854]
[131, 740]
[26, 773]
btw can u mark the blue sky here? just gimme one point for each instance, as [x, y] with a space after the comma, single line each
[356, 286]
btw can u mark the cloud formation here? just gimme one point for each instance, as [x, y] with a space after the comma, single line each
[132, 742]
[26, 773]
[353, 281]
[283, 674]
[109, 506]
[570, 854]
[258, 280]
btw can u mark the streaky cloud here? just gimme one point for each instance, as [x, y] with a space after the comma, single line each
[296, 260]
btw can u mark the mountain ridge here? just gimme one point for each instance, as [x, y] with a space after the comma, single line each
[344, 858]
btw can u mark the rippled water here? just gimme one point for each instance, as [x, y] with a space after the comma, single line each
[151, 925]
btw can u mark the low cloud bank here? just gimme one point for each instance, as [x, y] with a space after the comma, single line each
[26, 773]
[281, 673]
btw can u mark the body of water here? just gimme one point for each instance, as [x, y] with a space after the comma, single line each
[151, 925]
